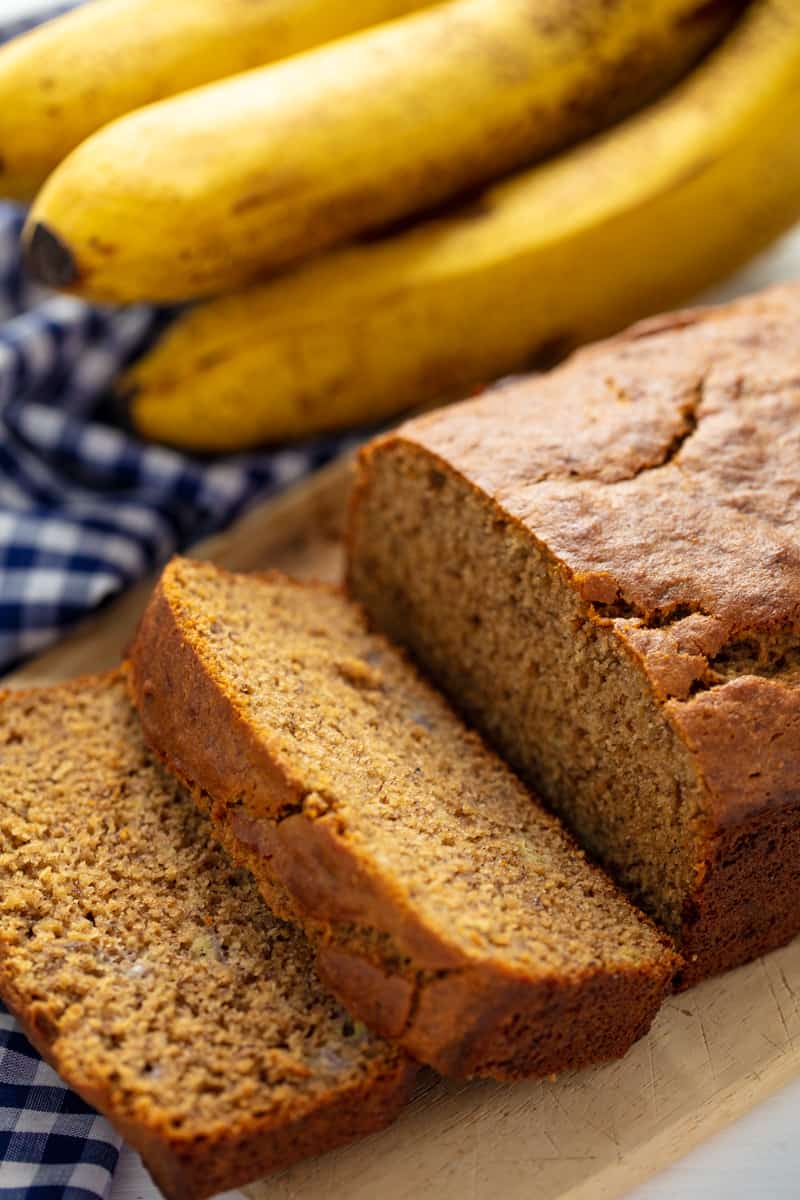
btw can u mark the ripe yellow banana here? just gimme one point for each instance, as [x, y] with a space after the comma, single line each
[70, 76]
[628, 224]
[213, 188]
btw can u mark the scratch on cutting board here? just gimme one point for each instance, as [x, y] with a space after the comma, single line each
[788, 987]
[708, 1049]
[474, 1166]
[778, 1006]
[528, 1105]
[553, 1143]
[652, 1089]
[464, 1119]
[440, 1094]
[473, 1117]
[775, 1045]
[609, 1135]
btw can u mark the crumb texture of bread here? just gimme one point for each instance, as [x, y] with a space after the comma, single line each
[146, 968]
[601, 567]
[449, 910]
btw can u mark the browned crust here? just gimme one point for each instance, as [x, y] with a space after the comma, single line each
[195, 1166]
[461, 1017]
[234, 763]
[471, 1022]
[748, 901]
[746, 740]
[745, 737]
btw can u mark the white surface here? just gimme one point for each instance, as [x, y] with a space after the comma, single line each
[758, 1158]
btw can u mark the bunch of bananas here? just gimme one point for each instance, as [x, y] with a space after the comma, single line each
[598, 162]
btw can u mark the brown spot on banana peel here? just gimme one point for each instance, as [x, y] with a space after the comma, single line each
[710, 10]
[107, 249]
[251, 201]
[209, 359]
[49, 260]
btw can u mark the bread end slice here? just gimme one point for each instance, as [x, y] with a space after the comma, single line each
[147, 970]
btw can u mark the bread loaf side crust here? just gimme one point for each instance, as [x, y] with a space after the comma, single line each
[745, 737]
[657, 471]
[461, 1017]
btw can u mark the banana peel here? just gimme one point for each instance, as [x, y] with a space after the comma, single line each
[67, 78]
[632, 222]
[208, 190]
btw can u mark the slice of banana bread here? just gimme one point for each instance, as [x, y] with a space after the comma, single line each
[601, 566]
[449, 911]
[145, 967]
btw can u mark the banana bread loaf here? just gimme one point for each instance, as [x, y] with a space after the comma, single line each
[601, 567]
[449, 911]
[147, 969]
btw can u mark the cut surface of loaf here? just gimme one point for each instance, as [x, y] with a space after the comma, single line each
[449, 911]
[601, 566]
[146, 968]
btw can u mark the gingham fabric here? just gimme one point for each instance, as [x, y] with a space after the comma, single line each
[52, 1145]
[85, 509]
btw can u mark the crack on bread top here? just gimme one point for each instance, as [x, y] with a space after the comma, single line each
[689, 414]
[660, 618]
[776, 657]
[665, 460]
[688, 650]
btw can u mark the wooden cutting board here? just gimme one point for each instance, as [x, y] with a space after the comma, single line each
[712, 1053]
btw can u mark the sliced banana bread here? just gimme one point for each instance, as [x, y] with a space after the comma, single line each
[601, 567]
[449, 910]
[145, 967]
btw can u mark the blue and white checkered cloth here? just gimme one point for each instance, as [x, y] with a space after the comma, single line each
[85, 510]
[52, 1145]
